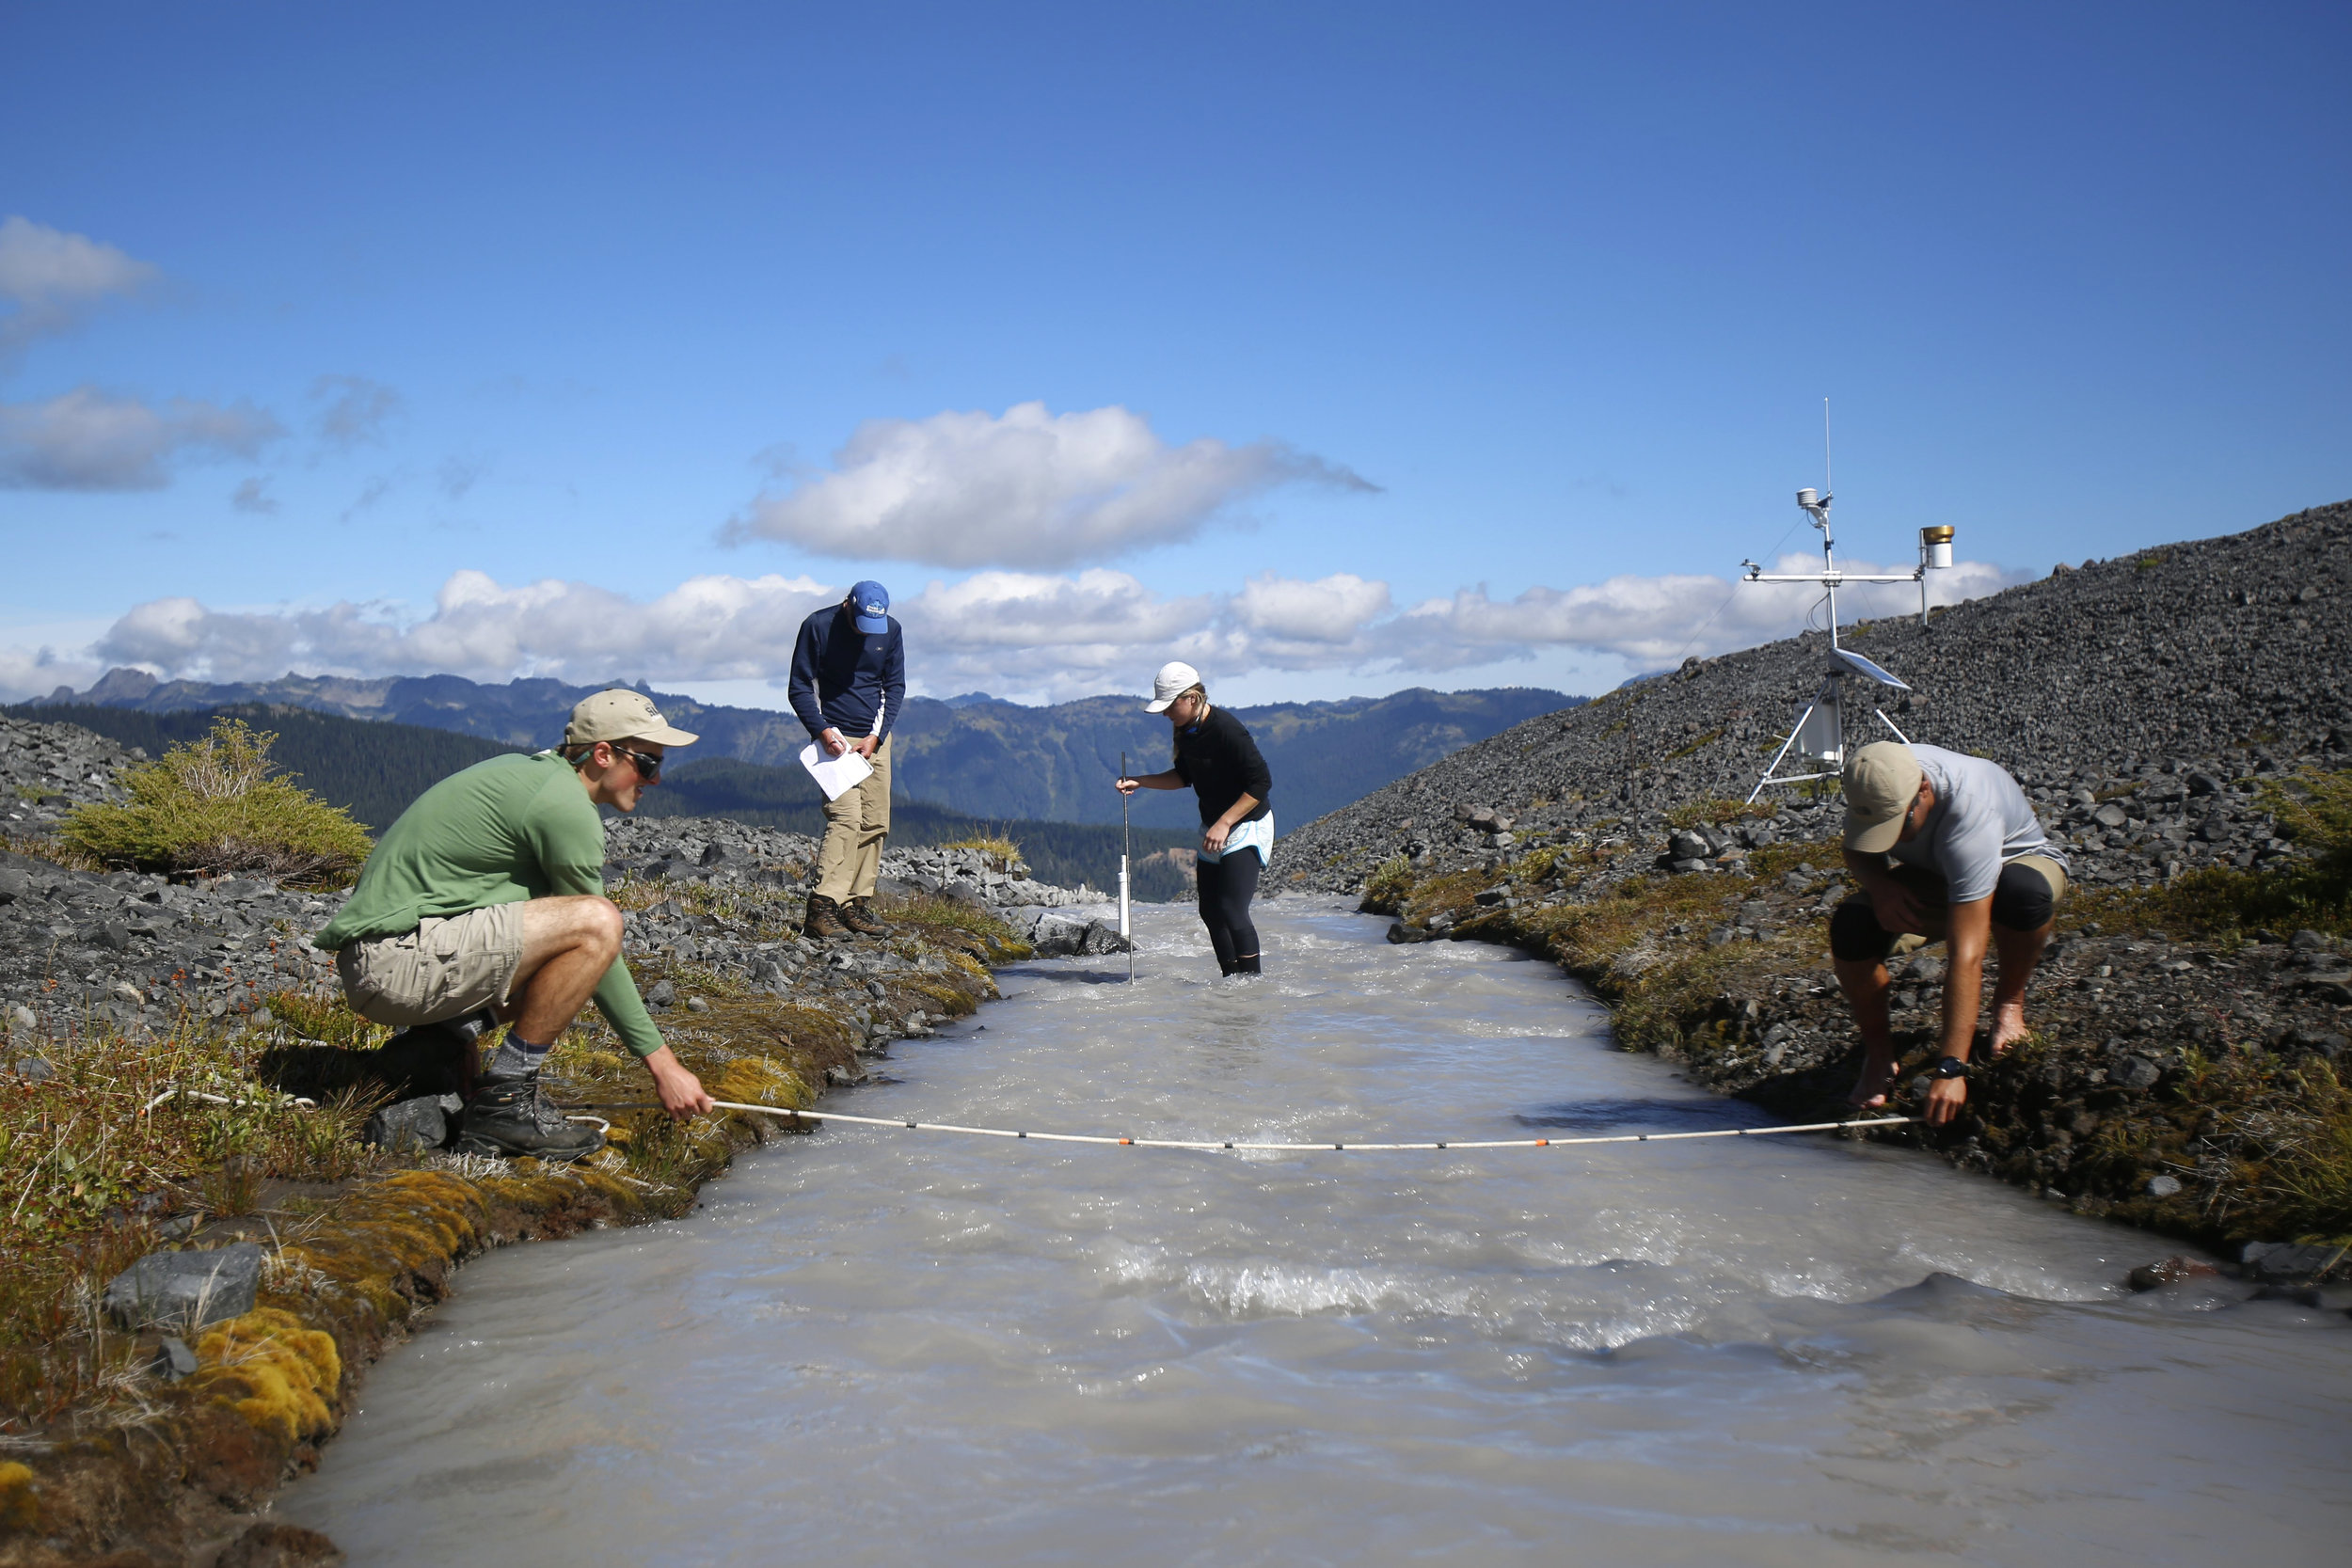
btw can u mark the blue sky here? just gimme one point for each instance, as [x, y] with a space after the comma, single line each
[1360, 347]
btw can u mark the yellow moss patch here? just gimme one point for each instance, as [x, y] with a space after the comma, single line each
[20, 1504]
[756, 1081]
[938, 998]
[271, 1371]
[445, 1205]
[967, 962]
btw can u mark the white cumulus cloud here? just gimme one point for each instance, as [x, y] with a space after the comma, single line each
[1071, 636]
[1015, 633]
[1653, 619]
[1026, 488]
[36, 672]
[91, 440]
[50, 279]
[715, 627]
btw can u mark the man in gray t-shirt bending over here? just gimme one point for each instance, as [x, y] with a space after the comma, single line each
[1946, 849]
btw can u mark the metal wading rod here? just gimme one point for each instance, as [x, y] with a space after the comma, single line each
[1126, 849]
[1238, 1145]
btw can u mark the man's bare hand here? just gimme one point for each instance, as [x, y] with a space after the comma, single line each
[680, 1092]
[866, 747]
[1946, 1097]
[833, 743]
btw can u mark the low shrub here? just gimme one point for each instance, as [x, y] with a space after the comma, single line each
[216, 805]
[1002, 852]
[1388, 886]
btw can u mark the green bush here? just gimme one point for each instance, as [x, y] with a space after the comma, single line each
[213, 806]
[1388, 886]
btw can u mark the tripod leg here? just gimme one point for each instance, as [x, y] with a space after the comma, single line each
[1774, 766]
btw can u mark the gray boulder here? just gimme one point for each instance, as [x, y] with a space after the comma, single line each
[426, 1121]
[185, 1290]
[1060, 937]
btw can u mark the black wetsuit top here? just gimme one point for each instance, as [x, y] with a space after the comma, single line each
[1221, 763]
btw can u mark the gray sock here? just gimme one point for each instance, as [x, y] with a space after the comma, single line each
[516, 1057]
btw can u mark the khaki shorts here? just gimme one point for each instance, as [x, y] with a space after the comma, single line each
[444, 969]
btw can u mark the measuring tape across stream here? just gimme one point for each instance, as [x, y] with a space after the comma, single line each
[813, 1118]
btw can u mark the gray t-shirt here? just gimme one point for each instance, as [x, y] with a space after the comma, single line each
[1981, 821]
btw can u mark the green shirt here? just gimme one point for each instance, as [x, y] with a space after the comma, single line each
[503, 831]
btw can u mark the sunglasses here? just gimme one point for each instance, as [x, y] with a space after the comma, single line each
[648, 766]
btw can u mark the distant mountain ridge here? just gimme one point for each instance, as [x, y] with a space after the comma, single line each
[973, 754]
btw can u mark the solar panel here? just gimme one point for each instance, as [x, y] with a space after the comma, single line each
[1864, 667]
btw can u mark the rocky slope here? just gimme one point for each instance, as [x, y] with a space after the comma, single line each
[2168, 672]
[2165, 710]
[78, 947]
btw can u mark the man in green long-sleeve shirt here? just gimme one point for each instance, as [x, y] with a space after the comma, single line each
[487, 899]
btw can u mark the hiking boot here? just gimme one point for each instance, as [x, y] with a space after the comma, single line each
[858, 916]
[823, 920]
[511, 1118]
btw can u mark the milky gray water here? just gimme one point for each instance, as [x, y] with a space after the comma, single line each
[877, 1346]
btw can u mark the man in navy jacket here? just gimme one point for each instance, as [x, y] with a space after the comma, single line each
[848, 682]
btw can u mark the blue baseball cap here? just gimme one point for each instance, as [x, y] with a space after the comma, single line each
[870, 601]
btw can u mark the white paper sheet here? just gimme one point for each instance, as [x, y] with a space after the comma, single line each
[835, 776]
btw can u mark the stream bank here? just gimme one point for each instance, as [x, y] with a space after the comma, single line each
[2186, 1084]
[144, 1462]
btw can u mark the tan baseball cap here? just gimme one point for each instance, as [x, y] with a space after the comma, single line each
[621, 713]
[1882, 779]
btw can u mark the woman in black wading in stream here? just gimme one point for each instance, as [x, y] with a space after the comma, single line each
[1216, 756]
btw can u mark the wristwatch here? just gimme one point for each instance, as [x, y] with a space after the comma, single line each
[1950, 1066]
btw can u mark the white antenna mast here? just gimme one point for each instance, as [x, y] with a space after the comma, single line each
[1820, 735]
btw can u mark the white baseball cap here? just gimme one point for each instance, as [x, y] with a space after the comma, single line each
[1174, 679]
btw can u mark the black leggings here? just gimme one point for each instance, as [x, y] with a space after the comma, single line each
[1227, 886]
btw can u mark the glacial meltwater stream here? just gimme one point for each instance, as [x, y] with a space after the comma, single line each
[878, 1346]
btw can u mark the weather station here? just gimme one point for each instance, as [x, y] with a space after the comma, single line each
[1818, 737]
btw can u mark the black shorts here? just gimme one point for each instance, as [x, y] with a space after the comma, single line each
[2022, 900]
